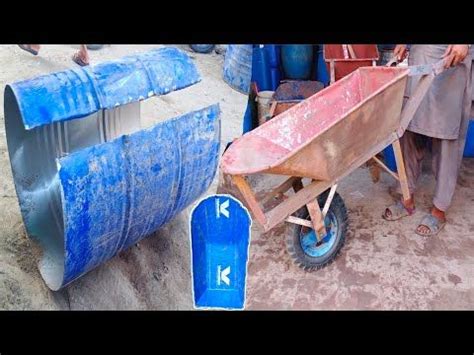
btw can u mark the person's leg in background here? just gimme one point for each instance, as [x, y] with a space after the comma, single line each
[445, 168]
[30, 48]
[81, 57]
[413, 151]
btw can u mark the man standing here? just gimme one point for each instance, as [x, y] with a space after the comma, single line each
[442, 117]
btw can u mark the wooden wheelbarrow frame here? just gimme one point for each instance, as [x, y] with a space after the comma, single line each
[307, 195]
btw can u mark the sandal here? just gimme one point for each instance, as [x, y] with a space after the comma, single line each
[79, 61]
[431, 222]
[28, 49]
[397, 211]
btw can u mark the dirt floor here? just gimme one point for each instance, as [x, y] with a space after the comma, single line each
[382, 266]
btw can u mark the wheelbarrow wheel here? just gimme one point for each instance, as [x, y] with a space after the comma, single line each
[301, 241]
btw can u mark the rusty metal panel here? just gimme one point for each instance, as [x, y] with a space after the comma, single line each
[366, 55]
[322, 135]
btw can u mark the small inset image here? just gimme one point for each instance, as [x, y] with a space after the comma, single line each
[220, 239]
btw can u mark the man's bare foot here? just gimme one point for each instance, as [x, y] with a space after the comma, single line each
[423, 229]
[400, 209]
[81, 59]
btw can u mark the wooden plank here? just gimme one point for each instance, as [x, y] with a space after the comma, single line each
[401, 170]
[316, 219]
[283, 187]
[295, 202]
[378, 161]
[273, 108]
[300, 221]
[332, 70]
[345, 51]
[327, 204]
[351, 51]
[250, 199]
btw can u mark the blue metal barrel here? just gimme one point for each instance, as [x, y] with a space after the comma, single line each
[469, 147]
[261, 73]
[90, 183]
[273, 51]
[297, 61]
[322, 74]
[238, 67]
[389, 157]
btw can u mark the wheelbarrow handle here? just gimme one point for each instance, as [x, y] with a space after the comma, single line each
[428, 73]
[393, 62]
[426, 69]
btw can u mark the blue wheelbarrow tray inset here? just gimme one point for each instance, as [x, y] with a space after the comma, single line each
[220, 239]
[90, 182]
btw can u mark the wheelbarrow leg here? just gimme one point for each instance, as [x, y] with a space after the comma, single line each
[402, 175]
[315, 214]
[250, 198]
[317, 219]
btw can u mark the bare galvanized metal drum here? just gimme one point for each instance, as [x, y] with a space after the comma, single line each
[89, 181]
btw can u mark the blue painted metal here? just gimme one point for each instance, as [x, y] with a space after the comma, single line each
[297, 61]
[322, 74]
[389, 157]
[309, 242]
[469, 147]
[261, 68]
[238, 67]
[220, 238]
[80, 92]
[275, 78]
[117, 193]
[273, 52]
[248, 122]
[91, 187]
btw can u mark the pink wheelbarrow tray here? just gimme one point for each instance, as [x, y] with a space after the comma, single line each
[325, 138]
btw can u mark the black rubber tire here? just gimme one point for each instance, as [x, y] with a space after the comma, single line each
[202, 48]
[293, 244]
[94, 47]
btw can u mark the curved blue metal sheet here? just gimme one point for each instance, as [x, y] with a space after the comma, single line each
[220, 236]
[237, 70]
[116, 193]
[79, 92]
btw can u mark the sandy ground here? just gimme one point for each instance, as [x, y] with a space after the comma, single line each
[382, 266]
[155, 274]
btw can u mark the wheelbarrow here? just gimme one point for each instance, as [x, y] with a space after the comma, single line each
[318, 142]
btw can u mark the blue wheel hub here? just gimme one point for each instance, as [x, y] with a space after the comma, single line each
[309, 243]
